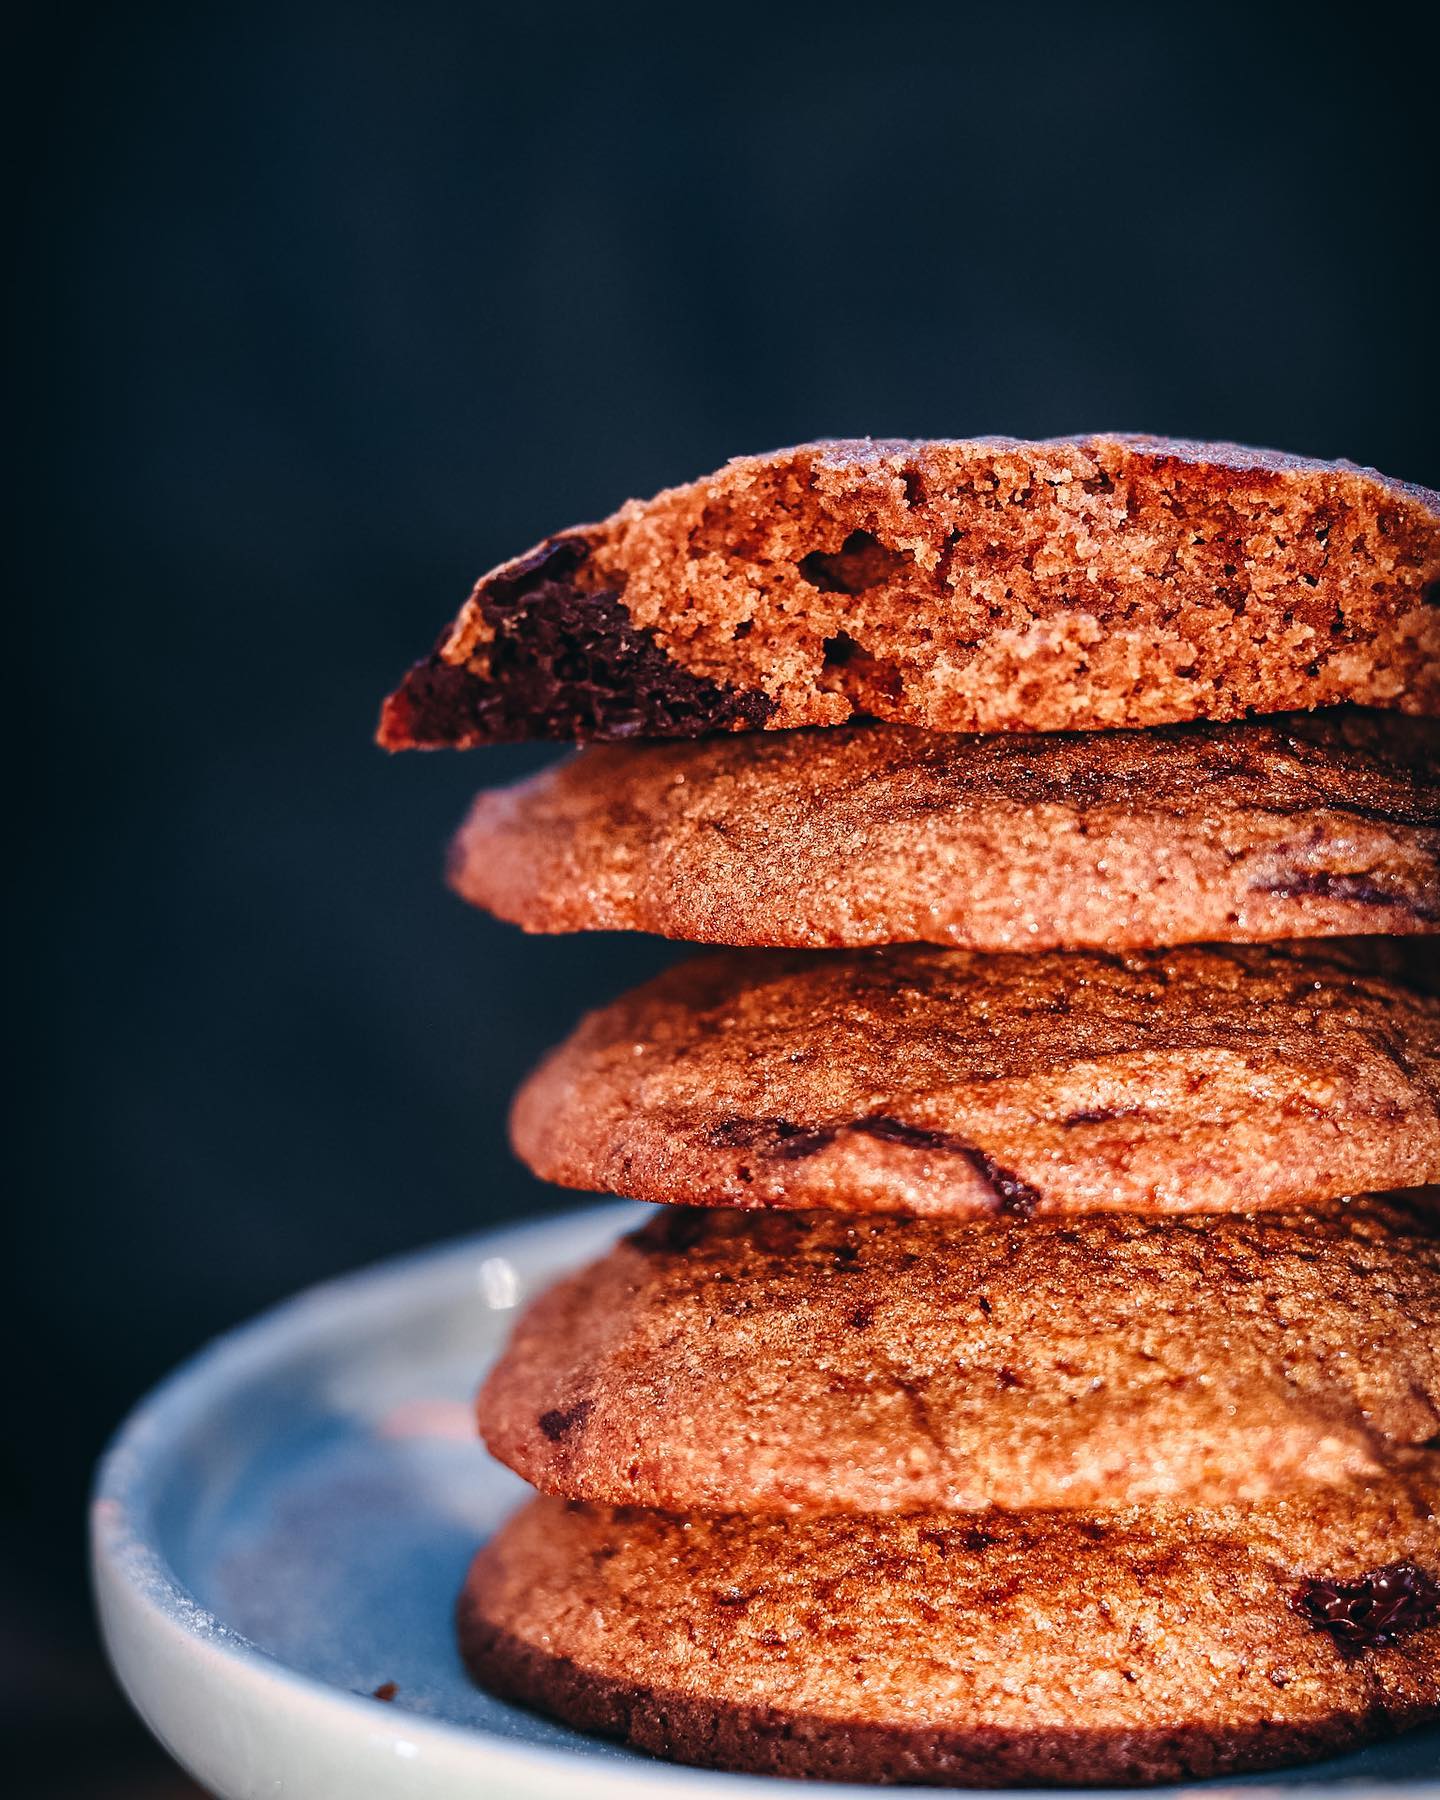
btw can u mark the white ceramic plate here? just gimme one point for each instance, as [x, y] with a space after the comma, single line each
[283, 1526]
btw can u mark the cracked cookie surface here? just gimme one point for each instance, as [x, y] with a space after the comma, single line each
[1061, 1648]
[720, 1361]
[949, 1083]
[1307, 825]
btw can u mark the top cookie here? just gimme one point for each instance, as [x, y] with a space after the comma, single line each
[980, 585]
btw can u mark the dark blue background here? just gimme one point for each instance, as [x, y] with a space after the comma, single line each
[325, 308]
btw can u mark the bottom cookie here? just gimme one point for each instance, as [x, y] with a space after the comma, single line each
[1131, 1648]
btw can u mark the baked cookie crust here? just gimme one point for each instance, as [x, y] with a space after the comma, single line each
[740, 1362]
[997, 1650]
[951, 1084]
[1306, 825]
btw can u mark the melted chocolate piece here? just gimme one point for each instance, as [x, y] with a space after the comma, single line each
[784, 1141]
[1374, 1610]
[1012, 1195]
[913, 1137]
[968, 1537]
[1015, 1196]
[780, 1139]
[556, 1424]
[564, 663]
[1322, 885]
[793, 1142]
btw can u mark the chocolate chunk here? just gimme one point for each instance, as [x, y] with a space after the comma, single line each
[1015, 1196]
[781, 1139]
[969, 1537]
[913, 1137]
[556, 1424]
[563, 663]
[784, 1141]
[1373, 1611]
[1323, 885]
[1011, 1193]
[792, 1142]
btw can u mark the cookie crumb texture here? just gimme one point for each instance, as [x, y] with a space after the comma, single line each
[743, 1362]
[984, 585]
[941, 1082]
[1306, 825]
[1052, 1648]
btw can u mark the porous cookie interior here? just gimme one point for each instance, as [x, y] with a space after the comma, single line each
[968, 586]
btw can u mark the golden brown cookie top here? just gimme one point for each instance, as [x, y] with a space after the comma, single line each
[720, 1361]
[1067, 1648]
[942, 1082]
[1305, 825]
[976, 585]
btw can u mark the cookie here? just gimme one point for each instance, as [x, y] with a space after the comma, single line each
[1307, 825]
[809, 1362]
[953, 1084]
[943, 1082]
[1016, 1649]
[988, 585]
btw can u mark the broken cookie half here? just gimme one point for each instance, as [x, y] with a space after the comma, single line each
[977, 585]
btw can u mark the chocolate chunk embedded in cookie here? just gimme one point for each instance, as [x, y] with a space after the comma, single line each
[984, 585]
[1048, 1648]
[813, 1362]
[947, 1083]
[1307, 825]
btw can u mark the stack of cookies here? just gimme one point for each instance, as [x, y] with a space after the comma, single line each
[1033, 1374]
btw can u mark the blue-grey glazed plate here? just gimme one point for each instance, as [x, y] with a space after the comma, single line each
[282, 1528]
